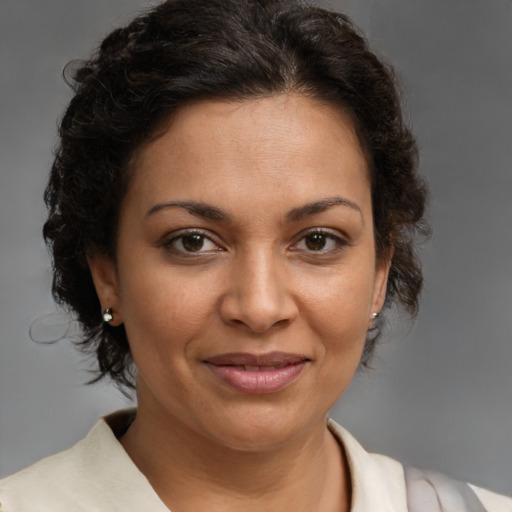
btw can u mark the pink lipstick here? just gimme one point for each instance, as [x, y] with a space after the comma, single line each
[257, 374]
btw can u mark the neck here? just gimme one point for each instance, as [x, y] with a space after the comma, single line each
[191, 472]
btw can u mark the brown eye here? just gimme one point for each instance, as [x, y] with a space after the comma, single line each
[315, 241]
[193, 243]
[320, 241]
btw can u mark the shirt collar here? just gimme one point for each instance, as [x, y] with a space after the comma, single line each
[377, 481]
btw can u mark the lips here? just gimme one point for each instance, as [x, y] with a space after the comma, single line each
[257, 374]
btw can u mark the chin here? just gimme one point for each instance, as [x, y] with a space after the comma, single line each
[261, 430]
[259, 439]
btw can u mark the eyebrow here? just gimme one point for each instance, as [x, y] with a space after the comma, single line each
[207, 211]
[321, 206]
[203, 210]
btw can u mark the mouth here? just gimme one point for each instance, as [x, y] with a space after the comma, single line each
[248, 368]
[257, 374]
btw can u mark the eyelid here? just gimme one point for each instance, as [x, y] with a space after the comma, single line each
[167, 241]
[335, 235]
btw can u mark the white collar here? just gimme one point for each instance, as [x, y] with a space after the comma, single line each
[377, 481]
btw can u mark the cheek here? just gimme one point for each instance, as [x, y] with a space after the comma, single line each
[165, 309]
[342, 300]
[338, 312]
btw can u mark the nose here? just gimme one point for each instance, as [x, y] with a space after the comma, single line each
[258, 295]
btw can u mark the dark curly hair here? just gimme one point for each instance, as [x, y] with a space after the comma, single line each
[188, 50]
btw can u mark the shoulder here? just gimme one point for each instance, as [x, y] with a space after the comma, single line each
[443, 493]
[493, 502]
[54, 478]
[410, 489]
[95, 474]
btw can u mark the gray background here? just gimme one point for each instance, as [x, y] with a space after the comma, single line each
[440, 394]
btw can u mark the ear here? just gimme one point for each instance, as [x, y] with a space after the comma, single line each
[104, 276]
[380, 284]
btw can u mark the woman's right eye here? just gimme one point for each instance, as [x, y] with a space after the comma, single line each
[191, 243]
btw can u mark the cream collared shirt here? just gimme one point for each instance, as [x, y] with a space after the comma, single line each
[97, 475]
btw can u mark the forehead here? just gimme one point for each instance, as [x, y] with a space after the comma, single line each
[284, 144]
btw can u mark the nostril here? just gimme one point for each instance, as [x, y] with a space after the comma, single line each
[257, 300]
[258, 327]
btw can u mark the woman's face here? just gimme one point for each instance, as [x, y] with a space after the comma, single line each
[246, 272]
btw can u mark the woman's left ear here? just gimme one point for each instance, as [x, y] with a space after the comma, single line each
[104, 276]
[381, 283]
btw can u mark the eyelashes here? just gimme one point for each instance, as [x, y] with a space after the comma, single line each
[191, 242]
[319, 241]
[194, 243]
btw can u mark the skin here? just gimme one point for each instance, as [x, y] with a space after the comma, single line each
[260, 280]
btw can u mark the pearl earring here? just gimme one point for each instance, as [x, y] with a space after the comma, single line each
[108, 315]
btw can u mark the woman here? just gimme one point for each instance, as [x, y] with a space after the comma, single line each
[233, 203]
